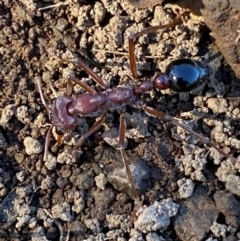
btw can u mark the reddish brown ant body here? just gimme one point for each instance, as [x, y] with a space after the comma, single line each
[181, 75]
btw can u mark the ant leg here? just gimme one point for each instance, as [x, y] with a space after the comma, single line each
[59, 139]
[79, 82]
[47, 139]
[152, 112]
[132, 58]
[39, 85]
[46, 146]
[132, 37]
[69, 87]
[122, 131]
[94, 128]
[80, 64]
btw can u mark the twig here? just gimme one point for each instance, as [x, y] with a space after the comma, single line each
[122, 53]
[56, 5]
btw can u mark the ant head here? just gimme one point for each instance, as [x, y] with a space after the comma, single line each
[60, 116]
[181, 75]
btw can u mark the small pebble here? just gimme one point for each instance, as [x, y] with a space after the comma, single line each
[32, 146]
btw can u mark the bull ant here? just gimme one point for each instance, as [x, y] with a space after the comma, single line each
[180, 75]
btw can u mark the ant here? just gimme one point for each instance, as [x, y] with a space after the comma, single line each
[180, 75]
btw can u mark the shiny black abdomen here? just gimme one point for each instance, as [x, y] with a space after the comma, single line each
[185, 74]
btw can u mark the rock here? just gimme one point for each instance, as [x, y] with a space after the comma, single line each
[141, 178]
[156, 217]
[38, 234]
[195, 216]
[219, 230]
[93, 224]
[32, 146]
[222, 16]
[186, 187]
[145, 3]
[229, 207]
[77, 227]
[101, 181]
[85, 180]
[62, 211]
[233, 184]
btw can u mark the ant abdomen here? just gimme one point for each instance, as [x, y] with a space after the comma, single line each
[185, 74]
[181, 75]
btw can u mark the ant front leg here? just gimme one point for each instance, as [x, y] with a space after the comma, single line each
[78, 63]
[46, 146]
[80, 83]
[47, 139]
[96, 126]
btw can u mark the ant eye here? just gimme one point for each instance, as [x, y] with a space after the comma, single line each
[185, 74]
[59, 132]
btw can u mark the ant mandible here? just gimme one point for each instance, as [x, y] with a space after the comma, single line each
[180, 75]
